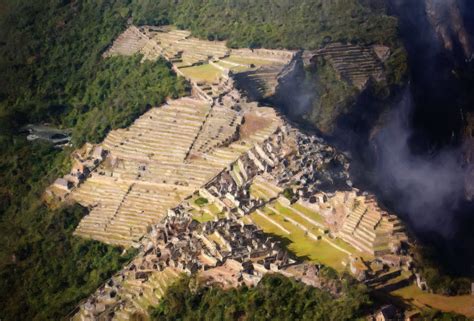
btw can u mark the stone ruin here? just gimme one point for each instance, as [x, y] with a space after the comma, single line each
[157, 162]
[218, 145]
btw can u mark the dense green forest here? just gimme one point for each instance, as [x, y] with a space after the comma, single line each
[273, 23]
[274, 298]
[53, 71]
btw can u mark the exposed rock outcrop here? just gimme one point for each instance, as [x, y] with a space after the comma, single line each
[447, 21]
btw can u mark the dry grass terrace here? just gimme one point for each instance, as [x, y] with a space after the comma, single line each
[463, 304]
[264, 190]
[205, 72]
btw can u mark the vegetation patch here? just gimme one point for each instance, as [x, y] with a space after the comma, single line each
[335, 95]
[202, 217]
[288, 193]
[201, 201]
[310, 213]
[300, 243]
[274, 298]
[123, 89]
[457, 304]
[437, 279]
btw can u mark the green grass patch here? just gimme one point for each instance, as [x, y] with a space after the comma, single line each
[205, 72]
[289, 213]
[301, 244]
[202, 217]
[214, 209]
[201, 201]
[256, 192]
[310, 213]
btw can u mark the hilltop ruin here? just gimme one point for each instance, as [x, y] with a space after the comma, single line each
[197, 184]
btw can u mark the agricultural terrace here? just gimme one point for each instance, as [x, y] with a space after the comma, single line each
[202, 73]
[306, 236]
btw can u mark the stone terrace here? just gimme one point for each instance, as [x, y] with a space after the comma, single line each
[354, 63]
[182, 49]
[128, 43]
[364, 224]
[148, 170]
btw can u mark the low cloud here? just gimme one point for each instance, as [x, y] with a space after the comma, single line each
[427, 189]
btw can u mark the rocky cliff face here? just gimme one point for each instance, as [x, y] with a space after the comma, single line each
[450, 20]
[447, 20]
[434, 135]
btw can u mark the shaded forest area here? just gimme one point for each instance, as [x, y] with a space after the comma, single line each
[52, 71]
[274, 298]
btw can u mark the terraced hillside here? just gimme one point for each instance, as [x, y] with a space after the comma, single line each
[220, 165]
[128, 43]
[356, 64]
[172, 150]
[148, 170]
[202, 61]
[122, 300]
[370, 229]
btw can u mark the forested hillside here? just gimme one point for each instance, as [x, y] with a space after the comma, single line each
[52, 71]
[273, 23]
[275, 298]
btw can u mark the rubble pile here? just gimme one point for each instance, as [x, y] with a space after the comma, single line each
[311, 166]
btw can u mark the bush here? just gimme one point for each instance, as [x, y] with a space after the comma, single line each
[288, 193]
[201, 201]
